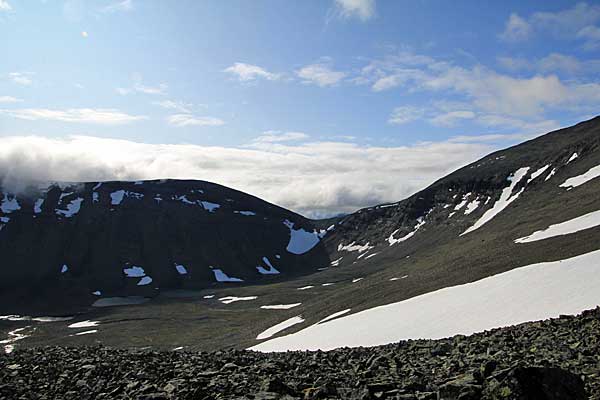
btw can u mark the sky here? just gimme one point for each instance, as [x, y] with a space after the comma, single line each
[321, 106]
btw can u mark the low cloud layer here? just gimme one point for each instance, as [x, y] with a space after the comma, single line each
[315, 179]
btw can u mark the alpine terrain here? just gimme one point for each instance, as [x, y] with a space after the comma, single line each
[151, 273]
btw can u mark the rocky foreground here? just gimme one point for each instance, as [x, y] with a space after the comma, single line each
[553, 359]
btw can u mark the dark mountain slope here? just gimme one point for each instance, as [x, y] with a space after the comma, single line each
[65, 244]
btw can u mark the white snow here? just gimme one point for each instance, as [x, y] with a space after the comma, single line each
[581, 179]
[72, 208]
[95, 197]
[4, 220]
[336, 263]
[280, 306]
[328, 284]
[334, 315]
[392, 241]
[538, 173]
[306, 287]
[505, 199]
[472, 206]
[371, 255]
[117, 197]
[530, 293]
[86, 332]
[135, 195]
[354, 247]
[9, 205]
[208, 296]
[84, 324]
[357, 280]
[280, 327]
[247, 213]
[551, 174]
[573, 157]
[587, 221]
[64, 269]
[402, 277]
[221, 276]
[138, 182]
[97, 293]
[301, 241]
[13, 336]
[181, 269]
[146, 280]
[37, 206]
[134, 272]
[210, 207]
[97, 186]
[464, 201]
[184, 199]
[233, 299]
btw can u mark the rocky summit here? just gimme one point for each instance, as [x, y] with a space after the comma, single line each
[557, 359]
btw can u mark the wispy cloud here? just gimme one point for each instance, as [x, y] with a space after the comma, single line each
[516, 29]
[119, 6]
[279, 136]
[21, 78]
[320, 74]
[5, 6]
[140, 87]
[361, 9]
[577, 22]
[179, 106]
[317, 179]
[452, 117]
[101, 116]
[181, 120]
[248, 72]
[9, 99]
[404, 114]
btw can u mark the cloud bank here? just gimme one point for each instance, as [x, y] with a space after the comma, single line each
[315, 179]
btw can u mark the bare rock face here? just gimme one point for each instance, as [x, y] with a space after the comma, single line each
[62, 243]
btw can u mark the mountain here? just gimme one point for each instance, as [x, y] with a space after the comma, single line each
[512, 237]
[66, 245]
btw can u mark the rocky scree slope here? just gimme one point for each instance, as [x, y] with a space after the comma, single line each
[552, 359]
[63, 245]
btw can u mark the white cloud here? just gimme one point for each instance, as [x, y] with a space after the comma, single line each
[119, 6]
[516, 29]
[140, 87]
[279, 136]
[21, 78]
[320, 178]
[572, 23]
[179, 106]
[4, 6]
[248, 72]
[84, 34]
[362, 9]
[404, 114]
[101, 116]
[320, 74]
[450, 118]
[592, 36]
[9, 99]
[181, 120]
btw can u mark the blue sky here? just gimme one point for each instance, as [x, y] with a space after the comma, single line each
[355, 100]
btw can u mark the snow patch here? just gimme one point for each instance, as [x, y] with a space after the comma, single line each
[181, 269]
[505, 199]
[392, 241]
[357, 280]
[84, 324]
[146, 280]
[221, 276]
[280, 327]
[37, 206]
[64, 269]
[581, 179]
[306, 287]
[265, 271]
[72, 208]
[233, 299]
[210, 207]
[573, 157]
[9, 205]
[551, 174]
[86, 332]
[334, 315]
[280, 306]
[301, 241]
[134, 272]
[355, 247]
[472, 206]
[587, 221]
[117, 197]
[538, 173]
[246, 213]
[530, 293]
[336, 263]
